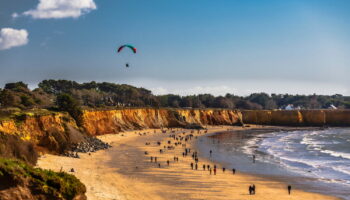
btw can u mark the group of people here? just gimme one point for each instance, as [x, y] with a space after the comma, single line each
[194, 165]
[251, 189]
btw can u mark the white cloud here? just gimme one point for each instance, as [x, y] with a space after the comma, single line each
[12, 38]
[15, 15]
[56, 9]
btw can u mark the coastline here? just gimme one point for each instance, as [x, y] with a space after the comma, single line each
[125, 172]
[238, 154]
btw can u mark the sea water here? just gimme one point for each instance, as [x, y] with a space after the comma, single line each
[317, 160]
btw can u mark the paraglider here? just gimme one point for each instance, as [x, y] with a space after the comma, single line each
[133, 49]
[127, 45]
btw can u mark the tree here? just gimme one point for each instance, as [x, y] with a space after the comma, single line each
[7, 98]
[27, 101]
[66, 102]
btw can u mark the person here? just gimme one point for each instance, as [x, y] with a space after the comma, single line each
[155, 159]
[191, 165]
[289, 189]
[253, 158]
[210, 170]
[151, 158]
[250, 190]
[203, 167]
[168, 162]
[159, 165]
[233, 171]
[196, 166]
[253, 187]
[214, 171]
[223, 169]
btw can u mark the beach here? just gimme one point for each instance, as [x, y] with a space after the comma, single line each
[125, 171]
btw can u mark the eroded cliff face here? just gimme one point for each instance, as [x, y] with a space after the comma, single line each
[55, 131]
[297, 118]
[114, 121]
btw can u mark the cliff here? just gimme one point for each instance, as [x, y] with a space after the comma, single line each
[54, 132]
[297, 118]
[23, 134]
[114, 121]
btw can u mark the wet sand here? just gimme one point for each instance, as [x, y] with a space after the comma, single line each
[126, 172]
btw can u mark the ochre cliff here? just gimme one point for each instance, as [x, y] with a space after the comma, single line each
[297, 117]
[55, 131]
[114, 121]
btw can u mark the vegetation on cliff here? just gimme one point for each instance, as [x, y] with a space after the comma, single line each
[22, 181]
[101, 95]
[11, 146]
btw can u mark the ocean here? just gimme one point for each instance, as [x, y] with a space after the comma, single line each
[316, 160]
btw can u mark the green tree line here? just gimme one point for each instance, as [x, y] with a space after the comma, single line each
[68, 95]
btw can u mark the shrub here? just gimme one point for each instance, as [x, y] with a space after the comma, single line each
[11, 146]
[51, 185]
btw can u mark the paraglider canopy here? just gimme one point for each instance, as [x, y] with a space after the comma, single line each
[127, 45]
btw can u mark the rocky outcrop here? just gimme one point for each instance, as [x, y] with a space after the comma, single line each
[52, 132]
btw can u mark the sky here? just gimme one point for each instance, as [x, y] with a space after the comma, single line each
[184, 46]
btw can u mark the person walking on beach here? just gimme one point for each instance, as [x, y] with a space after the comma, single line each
[155, 159]
[233, 171]
[192, 166]
[151, 158]
[214, 171]
[168, 162]
[253, 187]
[196, 166]
[223, 169]
[250, 190]
[203, 167]
[289, 189]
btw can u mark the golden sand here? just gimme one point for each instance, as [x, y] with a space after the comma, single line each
[125, 172]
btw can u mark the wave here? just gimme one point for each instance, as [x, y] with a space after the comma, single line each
[310, 153]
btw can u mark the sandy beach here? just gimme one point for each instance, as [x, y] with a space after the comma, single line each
[125, 171]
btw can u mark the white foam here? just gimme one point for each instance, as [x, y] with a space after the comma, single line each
[337, 154]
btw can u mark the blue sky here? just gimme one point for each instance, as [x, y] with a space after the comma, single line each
[184, 46]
